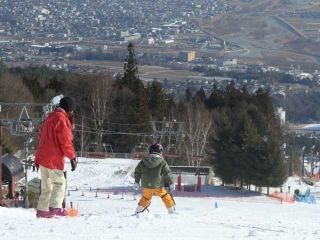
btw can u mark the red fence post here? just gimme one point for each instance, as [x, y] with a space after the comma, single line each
[199, 184]
[179, 188]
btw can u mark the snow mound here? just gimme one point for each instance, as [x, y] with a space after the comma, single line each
[102, 173]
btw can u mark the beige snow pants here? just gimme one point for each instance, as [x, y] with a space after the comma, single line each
[53, 187]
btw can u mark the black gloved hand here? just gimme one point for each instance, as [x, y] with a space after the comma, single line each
[74, 164]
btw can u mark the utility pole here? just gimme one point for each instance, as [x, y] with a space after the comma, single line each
[1, 196]
[312, 160]
[302, 161]
[290, 160]
[27, 142]
[82, 138]
[2, 200]
[26, 197]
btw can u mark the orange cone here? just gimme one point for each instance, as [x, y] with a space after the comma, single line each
[72, 212]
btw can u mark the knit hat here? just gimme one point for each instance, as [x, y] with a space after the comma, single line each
[67, 104]
[156, 148]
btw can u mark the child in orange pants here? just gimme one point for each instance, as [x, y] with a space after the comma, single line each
[154, 172]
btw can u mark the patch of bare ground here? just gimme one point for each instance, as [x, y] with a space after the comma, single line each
[274, 5]
[305, 46]
[261, 30]
[257, 5]
[286, 59]
[232, 24]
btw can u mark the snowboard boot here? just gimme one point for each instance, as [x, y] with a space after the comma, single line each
[172, 210]
[44, 214]
[61, 212]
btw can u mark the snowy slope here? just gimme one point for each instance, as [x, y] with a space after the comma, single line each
[237, 216]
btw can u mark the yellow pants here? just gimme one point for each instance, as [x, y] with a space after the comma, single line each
[53, 187]
[161, 192]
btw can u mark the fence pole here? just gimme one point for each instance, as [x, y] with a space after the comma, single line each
[1, 196]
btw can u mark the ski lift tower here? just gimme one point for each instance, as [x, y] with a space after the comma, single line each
[24, 126]
[170, 133]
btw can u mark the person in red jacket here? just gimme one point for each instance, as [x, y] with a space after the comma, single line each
[55, 146]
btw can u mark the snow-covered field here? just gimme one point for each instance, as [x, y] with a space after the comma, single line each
[217, 214]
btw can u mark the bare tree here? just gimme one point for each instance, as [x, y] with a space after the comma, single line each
[101, 105]
[198, 122]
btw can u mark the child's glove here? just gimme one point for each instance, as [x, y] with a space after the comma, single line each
[136, 186]
[172, 187]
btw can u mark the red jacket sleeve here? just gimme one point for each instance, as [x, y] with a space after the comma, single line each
[65, 138]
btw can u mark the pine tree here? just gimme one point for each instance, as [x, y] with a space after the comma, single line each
[157, 101]
[131, 103]
[273, 137]
[247, 140]
[250, 151]
[2, 67]
[189, 97]
[130, 77]
[216, 99]
[233, 96]
[200, 96]
[268, 167]
[224, 147]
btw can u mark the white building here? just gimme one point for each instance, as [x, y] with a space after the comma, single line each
[167, 41]
[281, 115]
[150, 41]
[304, 75]
[228, 63]
[132, 37]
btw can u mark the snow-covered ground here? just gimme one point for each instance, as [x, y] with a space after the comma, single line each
[217, 213]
